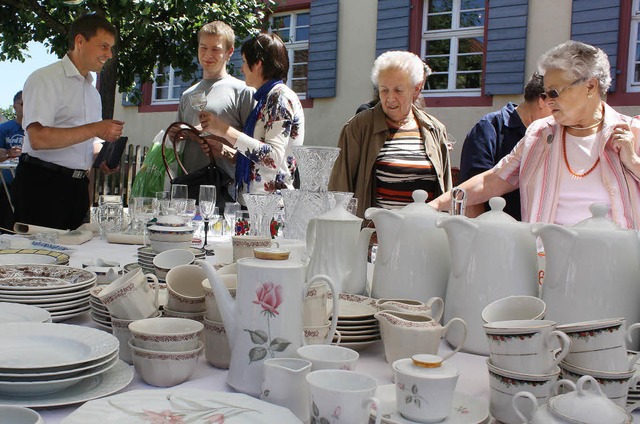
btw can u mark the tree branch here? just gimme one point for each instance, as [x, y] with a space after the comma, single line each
[32, 6]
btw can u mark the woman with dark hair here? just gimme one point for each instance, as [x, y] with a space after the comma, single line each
[264, 161]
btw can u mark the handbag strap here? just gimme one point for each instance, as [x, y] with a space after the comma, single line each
[190, 129]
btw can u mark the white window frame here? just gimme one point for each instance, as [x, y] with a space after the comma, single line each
[169, 83]
[632, 85]
[293, 45]
[453, 34]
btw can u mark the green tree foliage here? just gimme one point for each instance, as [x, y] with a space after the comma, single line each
[150, 32]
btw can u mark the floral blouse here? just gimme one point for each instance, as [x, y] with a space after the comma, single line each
[280, 126]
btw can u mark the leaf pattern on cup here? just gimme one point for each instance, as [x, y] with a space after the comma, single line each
[413, 395]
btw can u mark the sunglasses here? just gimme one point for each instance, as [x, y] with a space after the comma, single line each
[554, 94]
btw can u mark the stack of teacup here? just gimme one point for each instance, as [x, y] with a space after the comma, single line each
[165, 351]
[599, 349]
[185, 294]
[130, 298]
[316, 316]
[217, 350]
[523, 353]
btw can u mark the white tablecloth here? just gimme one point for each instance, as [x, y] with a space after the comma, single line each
[474, 378]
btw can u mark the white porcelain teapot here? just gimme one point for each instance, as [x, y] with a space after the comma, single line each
[338, 248]
[492, 256]
[266, 318]
[586, 404]
[592, 269]
[412, 261]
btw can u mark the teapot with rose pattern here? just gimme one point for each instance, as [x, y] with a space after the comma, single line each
[266, 318]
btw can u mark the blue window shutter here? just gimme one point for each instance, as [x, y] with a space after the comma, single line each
[596, 22]
[323, 49]
[393, 25]
[506, 47]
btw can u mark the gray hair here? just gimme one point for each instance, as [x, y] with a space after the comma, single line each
[581, 60]
[399, 61]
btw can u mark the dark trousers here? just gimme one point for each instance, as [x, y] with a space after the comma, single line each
[49, 198]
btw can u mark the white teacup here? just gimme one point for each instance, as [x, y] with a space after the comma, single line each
[328, 357]
[216, 350]
[19, 415]
[165, 261]
[120, 329]
[514, 308]
[130, 296]
[505, 384]
[341, 395]
[600, 345]
[319, 334]
[526, 346]
[315, 305]
[424, 390]
[243, 245]
[184, 289]
[213, 312]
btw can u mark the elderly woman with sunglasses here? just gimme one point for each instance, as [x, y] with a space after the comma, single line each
[584, 153]
[262, 150]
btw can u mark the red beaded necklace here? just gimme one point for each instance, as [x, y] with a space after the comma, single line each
[566, 161]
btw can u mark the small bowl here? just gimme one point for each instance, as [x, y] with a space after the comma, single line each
[163, 262]
[166, 334]
[164, 369]
[326, 357]
[19, 415]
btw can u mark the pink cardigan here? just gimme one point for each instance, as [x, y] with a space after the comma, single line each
[535, 163]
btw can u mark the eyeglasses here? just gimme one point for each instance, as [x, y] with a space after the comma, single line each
[554, 94]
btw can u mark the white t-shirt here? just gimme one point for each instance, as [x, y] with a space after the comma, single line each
[59, 96]
[577, 194]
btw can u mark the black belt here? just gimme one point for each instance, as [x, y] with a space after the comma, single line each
[73, 173]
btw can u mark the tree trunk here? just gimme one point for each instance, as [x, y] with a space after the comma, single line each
[107, 87]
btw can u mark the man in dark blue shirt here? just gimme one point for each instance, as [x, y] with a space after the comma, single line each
[496, 134]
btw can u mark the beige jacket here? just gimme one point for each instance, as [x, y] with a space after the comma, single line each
[361, 139]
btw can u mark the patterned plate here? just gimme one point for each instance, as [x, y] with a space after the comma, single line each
[32, 256]
[43, 278]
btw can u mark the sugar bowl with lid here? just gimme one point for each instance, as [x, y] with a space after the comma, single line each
[425, 385]
[170, 232]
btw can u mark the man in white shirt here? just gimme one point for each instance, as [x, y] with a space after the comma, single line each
[64, 130]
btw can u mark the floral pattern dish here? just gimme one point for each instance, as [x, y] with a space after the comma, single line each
[180, 406]
[464, 410]
[41, 279]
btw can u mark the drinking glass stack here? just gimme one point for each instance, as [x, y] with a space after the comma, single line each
[313, 198]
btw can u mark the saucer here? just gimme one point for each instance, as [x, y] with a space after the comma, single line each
[465, 409]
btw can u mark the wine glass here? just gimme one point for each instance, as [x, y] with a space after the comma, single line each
[451, 141]
[198, 100]
[207, 206]
[230, 209]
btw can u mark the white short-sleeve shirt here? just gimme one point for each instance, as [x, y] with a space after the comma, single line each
[59, 96]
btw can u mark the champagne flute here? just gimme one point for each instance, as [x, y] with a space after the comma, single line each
[198, 100]
[207, 206]
[230, 209]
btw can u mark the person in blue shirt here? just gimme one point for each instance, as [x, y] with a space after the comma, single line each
[11, 136]
[496, 134]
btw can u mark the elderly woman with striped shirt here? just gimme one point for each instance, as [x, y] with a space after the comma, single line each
[584, 153]
[394, 148]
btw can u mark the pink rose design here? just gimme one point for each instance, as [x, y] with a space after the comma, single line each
[162, 417]
[216, 419]
[269, 297]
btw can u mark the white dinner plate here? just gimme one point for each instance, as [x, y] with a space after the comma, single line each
[117, 378]
[58, 374]
[46, 298]
[65, 304]
[465, 409]
[103, 327]
[32, 256]
[16, 312]
[180, 405]
[48, 386]
[28, 347]
[63, 316]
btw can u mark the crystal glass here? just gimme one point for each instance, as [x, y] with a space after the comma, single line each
[261, 208]
[179, 194]
[314, 165]
[189, 212]
[299, 207]
[339, 198]
[142, 212]
[230, 209]
[207, 200]
[162, 203]
[198, 100]
[110, 214]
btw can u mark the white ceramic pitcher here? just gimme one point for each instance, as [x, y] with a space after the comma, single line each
[266, 318]
[338, 248]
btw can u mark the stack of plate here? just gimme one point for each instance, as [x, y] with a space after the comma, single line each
[61, 290]
[43, 358]
[15, 312]
[356, 324]
[146, 255]
[32, 256]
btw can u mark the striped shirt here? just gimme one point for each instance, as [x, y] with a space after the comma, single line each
[403, 166]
